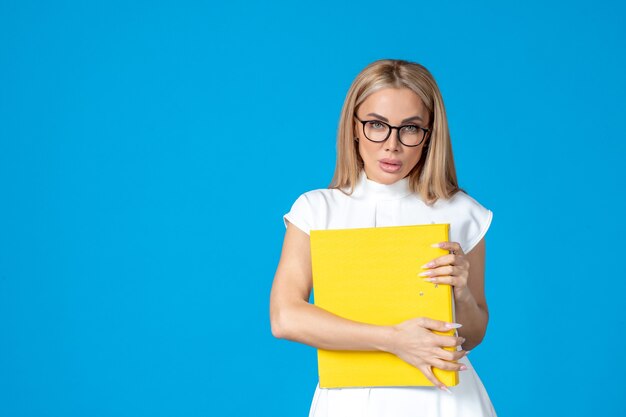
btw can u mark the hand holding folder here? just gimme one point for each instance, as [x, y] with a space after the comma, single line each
[370, 275]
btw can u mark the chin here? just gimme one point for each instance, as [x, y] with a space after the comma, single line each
[389, 177]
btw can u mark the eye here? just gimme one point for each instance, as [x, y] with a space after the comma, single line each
[411, 129]
[374, 124]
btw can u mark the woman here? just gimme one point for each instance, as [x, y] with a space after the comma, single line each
[394, 168]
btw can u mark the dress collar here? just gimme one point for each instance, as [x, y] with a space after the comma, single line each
[371, 190]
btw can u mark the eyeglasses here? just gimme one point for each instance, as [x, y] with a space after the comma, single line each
[408, 135]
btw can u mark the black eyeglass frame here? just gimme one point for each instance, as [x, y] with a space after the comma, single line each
[390, 128]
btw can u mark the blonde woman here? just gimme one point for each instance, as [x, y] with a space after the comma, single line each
[394, 167]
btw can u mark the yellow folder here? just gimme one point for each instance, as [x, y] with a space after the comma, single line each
[370, 275]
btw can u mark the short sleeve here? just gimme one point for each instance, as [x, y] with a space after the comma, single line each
[473, 222]
[301, 214]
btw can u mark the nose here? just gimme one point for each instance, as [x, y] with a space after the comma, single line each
[393, 141]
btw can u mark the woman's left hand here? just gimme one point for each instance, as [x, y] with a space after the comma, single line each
[451, 269]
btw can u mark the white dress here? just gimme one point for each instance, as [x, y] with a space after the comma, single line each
[371, 205]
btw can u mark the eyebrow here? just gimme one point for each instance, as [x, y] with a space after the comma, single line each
[384, 119]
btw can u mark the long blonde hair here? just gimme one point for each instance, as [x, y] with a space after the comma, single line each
[434, 176]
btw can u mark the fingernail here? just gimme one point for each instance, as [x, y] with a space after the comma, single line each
[425, 273]
[467, 352]
[463, 368]
[462, 340]
[445, 389]
[435, 245]
[428, 265]
[429, 279]
[453, 325]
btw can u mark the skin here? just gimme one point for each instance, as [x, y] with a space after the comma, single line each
[396, 107]
[294, 318]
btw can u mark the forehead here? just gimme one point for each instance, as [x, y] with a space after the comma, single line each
[394, 103]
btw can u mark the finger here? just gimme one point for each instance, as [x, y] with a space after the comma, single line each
[449, 341]
[438, 325]
[442, 260]
[428, 373]
[443, 280]
[442, 270]
[450, 355]
[448, 366]
[453, 247]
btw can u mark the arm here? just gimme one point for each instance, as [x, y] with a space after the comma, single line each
[294, 318]
[466, 273]
[471, 308]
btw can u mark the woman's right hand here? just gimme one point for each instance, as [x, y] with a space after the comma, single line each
[415, 343]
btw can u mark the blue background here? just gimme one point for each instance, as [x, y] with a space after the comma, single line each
[148, 151]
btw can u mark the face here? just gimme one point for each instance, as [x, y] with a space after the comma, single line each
[389, 161]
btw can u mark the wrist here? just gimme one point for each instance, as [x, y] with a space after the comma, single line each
[464, 297]
[386, 339]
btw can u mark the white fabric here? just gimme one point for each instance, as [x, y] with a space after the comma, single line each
[373, 204]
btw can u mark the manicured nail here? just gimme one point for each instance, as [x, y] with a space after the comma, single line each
[467, 352]
[453, 325]
[445, 389]
[463, 368]
[435, 245]
[425, 273]
[429, 279]
[428, 265]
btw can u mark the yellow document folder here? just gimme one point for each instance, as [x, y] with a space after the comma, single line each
[370, 275]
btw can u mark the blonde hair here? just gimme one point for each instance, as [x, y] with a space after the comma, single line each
[434, 175]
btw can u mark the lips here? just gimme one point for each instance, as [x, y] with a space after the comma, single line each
[390, 166]
[391, 161]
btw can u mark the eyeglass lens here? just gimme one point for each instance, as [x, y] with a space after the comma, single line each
[379, 131]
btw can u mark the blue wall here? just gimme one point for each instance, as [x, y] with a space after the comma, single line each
[148, 151]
